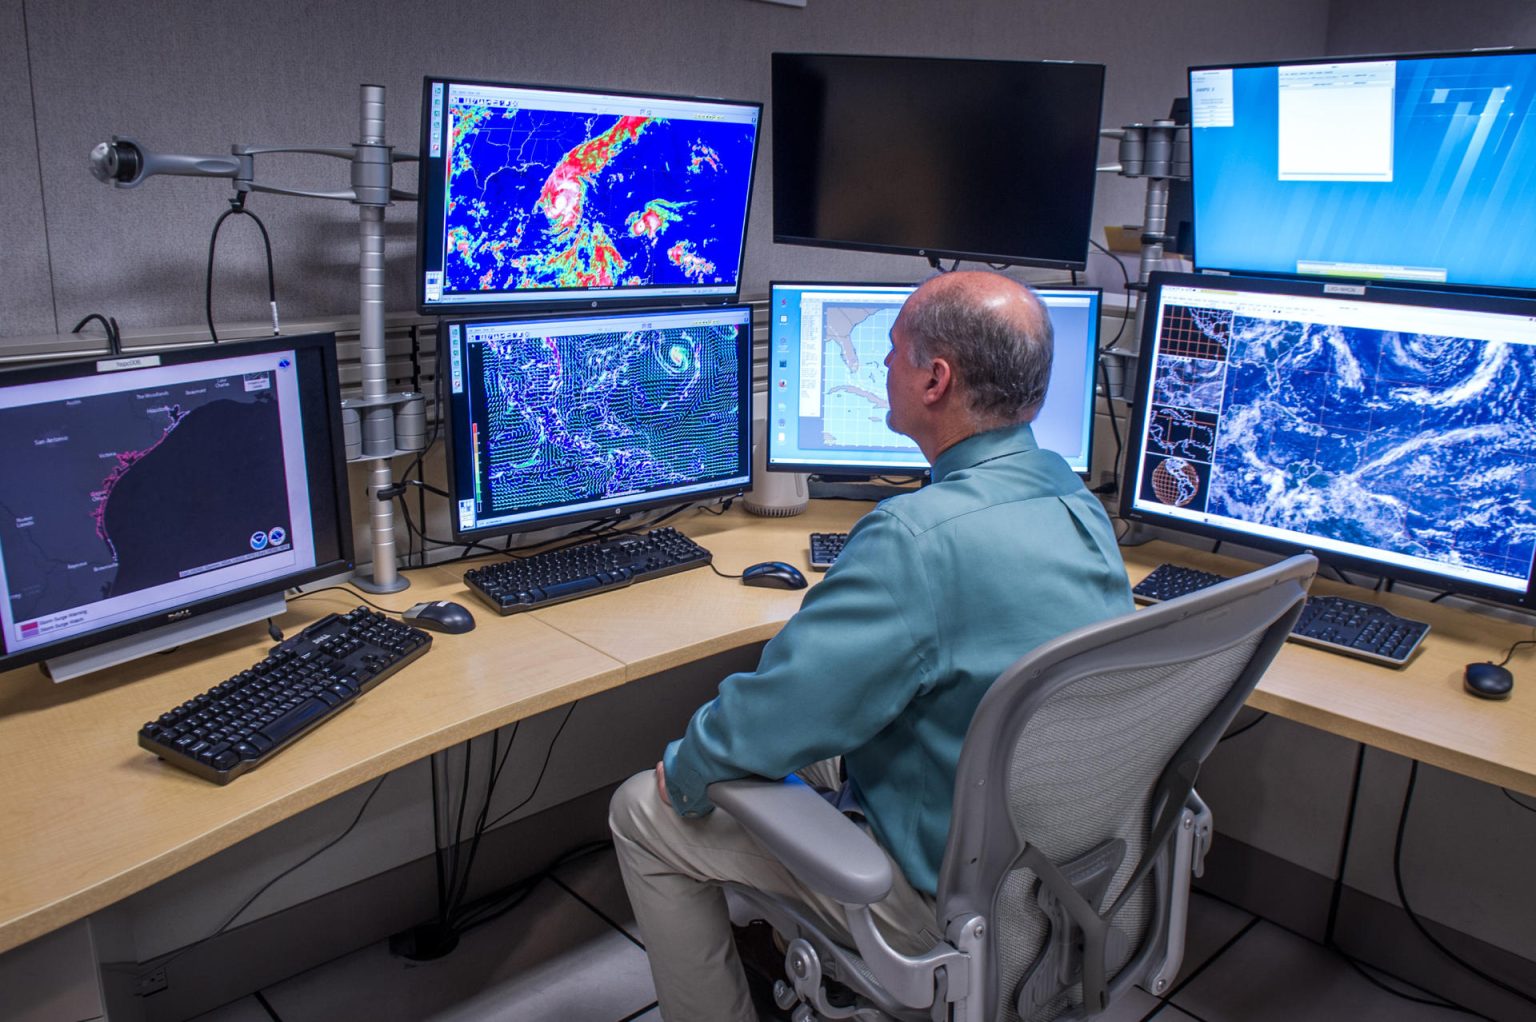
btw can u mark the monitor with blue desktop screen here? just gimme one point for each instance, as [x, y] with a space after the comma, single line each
[165, 488]
[826, 379]
[1413, 168]
[542, 195]
[560, 419]
[1385, 429]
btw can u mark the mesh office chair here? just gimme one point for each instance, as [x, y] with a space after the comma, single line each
[1075, 831]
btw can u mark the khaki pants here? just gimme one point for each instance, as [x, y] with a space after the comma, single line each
[672, 870]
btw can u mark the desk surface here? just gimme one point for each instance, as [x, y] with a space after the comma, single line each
[87, 818]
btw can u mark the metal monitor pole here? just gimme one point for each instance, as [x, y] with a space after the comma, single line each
[377, 414]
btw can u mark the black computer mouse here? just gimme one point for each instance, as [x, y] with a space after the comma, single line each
[441, 616]
[1489, 680]
[774, 575]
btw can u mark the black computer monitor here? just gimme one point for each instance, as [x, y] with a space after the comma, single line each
[165, 488]
[540, 195]
[967, 159]
[826, 378]
[1416, 168]
[561, 419]
[1384, 429]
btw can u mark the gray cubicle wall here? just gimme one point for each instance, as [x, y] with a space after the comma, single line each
[196, 77]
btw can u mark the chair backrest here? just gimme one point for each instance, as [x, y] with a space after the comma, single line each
[1091, 740]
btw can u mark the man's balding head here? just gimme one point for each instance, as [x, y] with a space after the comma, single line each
[995, 334]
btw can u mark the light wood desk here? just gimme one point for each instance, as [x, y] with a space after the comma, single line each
[87, 818]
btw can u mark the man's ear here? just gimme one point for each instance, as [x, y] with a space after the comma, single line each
[941, 380]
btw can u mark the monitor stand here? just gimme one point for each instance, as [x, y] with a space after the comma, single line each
[839, 487]
[131, 647]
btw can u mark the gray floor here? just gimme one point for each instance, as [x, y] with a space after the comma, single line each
[568, 952]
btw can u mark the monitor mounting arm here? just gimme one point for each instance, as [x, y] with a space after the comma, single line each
[126, 164]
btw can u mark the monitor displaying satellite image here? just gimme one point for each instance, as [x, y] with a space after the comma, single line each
[556, 417]
[539, 195]
[1400, 432]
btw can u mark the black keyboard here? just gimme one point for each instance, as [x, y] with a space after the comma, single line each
[558, 575]
[825, 546]
[240, 723]
[1334, 623]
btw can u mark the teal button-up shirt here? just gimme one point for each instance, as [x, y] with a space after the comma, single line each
[935, 594]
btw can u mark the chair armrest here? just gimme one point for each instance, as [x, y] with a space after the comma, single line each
[823, 848]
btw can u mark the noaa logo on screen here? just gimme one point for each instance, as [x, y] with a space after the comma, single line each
[273, 537]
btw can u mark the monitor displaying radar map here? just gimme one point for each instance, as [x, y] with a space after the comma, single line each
[538, 195]
[143, 491]
[562, 419]
[826, 379]
[1384, 429]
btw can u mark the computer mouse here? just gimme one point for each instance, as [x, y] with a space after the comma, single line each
[1489, 680]
[441, 616]
[774, 575]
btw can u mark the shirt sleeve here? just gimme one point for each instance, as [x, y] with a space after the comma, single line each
[846, 665]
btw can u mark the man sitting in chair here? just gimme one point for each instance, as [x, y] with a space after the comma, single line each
[937, 591]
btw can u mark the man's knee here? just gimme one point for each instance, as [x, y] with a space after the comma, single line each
[632, 803]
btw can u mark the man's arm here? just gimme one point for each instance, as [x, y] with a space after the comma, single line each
[842, 668]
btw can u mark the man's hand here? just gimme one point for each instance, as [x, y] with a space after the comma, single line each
[661, 781]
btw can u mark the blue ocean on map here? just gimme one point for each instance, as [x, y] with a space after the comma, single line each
[1417, 444]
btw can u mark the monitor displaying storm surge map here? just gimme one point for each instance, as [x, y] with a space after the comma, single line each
[535, 195]
[1407, 432]
[112, 493]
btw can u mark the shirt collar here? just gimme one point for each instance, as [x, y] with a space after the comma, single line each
[980, 447]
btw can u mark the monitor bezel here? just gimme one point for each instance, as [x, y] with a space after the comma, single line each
[931, 253]
[568, 300]
[1330, 289]
[873, 468]
[1445, 287]
[530, 524]
[323, 345]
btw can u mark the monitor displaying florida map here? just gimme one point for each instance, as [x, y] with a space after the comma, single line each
[144, 490]
[558, 419]
[1382, 428]
[538, 195]
[826, 378]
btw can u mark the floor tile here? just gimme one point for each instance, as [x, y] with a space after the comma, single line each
[596, 879]
[244, 1010]
[550, 957]
[1211, 924]
[1273, 975]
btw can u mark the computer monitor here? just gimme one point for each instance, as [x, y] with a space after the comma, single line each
[1414, 168]
[554, 420]
[540, 195]
[169, 491]
[1384, 429]
[826, 379]
[968, 159]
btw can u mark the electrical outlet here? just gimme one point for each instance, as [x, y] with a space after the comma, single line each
[152, 983]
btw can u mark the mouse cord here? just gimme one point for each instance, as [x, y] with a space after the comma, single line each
[1511, 651]
[299, 594]
[717, 571]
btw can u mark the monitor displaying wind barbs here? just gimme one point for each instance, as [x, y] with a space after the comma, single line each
[1385, 429]
[152, 489]
[827, 399]
[533, 195]
[990, 160]
[562, 419]
[1417, 168]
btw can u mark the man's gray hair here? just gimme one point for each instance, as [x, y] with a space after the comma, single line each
[1003, 366]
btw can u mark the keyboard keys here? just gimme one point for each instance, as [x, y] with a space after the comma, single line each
[555, 576]
[825, 548]
[238, 723]
[1335, 623]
